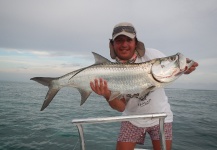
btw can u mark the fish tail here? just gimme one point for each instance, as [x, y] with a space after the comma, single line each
[53, 89]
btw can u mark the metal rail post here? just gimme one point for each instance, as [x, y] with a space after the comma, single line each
[79, 122]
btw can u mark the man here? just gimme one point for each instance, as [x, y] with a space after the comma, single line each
[126, 48]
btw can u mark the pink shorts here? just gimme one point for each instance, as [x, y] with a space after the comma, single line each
[131, 133]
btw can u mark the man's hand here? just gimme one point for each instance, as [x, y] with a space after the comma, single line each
[192, 68]
[100, 87]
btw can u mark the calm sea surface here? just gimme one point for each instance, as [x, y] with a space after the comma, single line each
[24, 127]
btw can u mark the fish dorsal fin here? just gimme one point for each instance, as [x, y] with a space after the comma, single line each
[100, 59]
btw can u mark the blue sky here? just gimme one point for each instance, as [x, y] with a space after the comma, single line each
[51, 38]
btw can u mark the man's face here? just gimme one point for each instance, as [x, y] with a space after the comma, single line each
[124, 47]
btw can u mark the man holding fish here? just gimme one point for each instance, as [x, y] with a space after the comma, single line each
[133, 85]
[126, 48]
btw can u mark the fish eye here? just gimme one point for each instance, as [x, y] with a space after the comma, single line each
[172, 58]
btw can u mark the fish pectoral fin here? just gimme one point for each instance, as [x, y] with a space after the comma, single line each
[84, 95]
[146, 91]
[49, 97]
[115, 95]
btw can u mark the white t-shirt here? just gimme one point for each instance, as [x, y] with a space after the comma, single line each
[154, 102]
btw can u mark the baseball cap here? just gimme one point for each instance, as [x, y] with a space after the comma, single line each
[124, 28]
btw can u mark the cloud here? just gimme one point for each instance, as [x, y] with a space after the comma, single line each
[41, 62]
[40, 53]
[53, 37]
[82, 26]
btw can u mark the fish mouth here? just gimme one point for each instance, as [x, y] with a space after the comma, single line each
[184, 63]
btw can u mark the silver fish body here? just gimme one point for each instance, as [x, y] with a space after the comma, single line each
[121, 78]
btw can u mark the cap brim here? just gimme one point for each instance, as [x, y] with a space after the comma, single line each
[130, 35]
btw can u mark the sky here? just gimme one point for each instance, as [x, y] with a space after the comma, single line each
[54, 37]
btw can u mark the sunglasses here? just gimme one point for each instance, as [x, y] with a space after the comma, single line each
[119, 29]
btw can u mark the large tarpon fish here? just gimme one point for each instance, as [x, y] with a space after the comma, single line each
[121, 78]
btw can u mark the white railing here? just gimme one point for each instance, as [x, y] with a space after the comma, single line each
[80, 122]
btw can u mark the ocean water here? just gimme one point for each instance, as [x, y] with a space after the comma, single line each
[24, 127]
